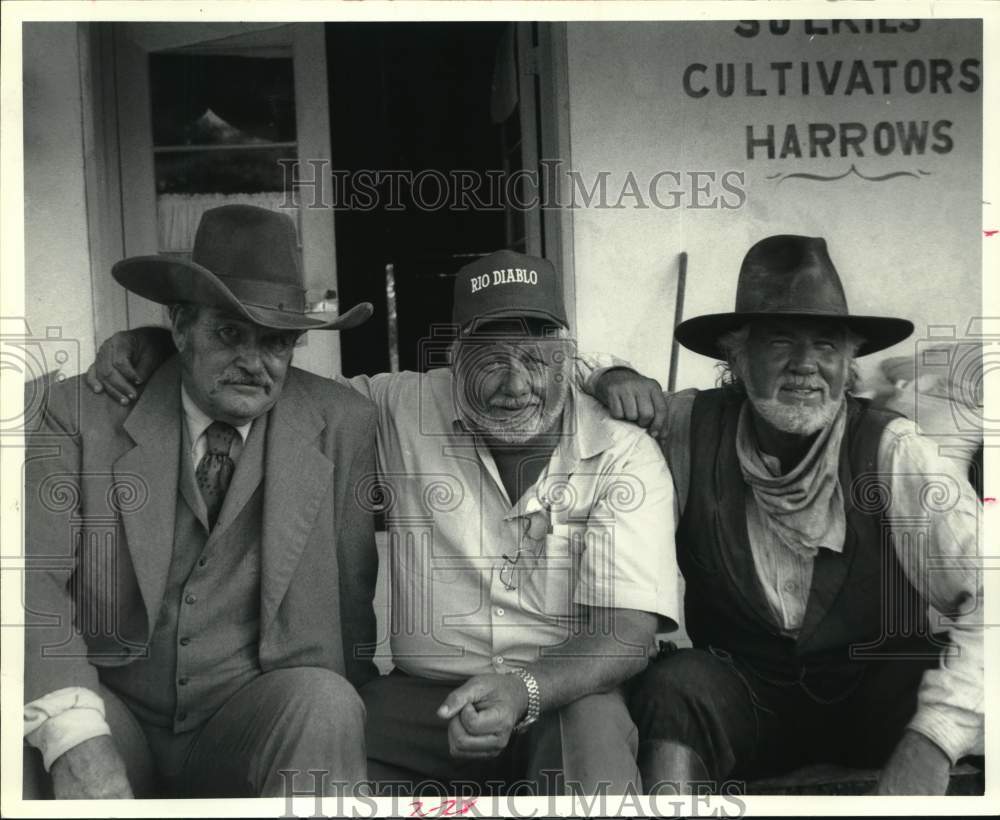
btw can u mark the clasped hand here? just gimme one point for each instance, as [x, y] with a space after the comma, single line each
[482, 714]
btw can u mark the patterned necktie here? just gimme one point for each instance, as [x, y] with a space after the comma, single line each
[215, 470]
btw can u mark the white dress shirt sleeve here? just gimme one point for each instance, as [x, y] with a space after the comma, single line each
[60, 720]
[926, 485]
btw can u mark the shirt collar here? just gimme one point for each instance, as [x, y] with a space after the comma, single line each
[586, 433]
[198, 420]
[595, 431]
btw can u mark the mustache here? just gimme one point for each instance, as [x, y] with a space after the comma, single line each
[246, 379]
[803, 384]
[513, 404]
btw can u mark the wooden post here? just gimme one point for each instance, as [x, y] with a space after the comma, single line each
[678, 315]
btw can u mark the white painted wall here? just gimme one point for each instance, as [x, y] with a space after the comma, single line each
[57, 263]
[907, 247]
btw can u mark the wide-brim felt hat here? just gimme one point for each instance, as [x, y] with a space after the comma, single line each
[244, 259]
[789, 276]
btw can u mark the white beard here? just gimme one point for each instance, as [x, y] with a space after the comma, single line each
[516, 428]
[798, 419]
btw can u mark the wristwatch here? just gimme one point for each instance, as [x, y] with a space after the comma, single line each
[534, 699]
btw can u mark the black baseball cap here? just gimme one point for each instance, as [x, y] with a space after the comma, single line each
[506, 284]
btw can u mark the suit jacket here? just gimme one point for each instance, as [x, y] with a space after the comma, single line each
[101, 484]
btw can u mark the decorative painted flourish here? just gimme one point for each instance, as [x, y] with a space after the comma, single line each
[852, 170]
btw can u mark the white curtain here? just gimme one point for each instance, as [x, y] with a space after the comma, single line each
[179, 214]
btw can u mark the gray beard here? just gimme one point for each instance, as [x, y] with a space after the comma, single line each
[519, 429]
[797, 419]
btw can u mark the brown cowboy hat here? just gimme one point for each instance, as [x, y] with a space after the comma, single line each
[245, 259]
[789, 276]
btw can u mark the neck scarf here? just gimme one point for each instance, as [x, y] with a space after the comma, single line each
[803, 509]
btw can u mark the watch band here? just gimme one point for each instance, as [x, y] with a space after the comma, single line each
[534, 699]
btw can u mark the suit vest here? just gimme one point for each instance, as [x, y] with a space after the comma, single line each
[204, 645]
[861, 605]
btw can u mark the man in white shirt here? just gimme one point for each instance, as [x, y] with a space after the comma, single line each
[530, 548]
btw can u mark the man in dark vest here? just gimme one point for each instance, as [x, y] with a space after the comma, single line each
[813, 533]
[199, 569]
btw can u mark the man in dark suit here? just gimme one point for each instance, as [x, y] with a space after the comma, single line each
[199, 570]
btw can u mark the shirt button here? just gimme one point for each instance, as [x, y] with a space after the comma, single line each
[182, 716]
[498, 659]
[202, 562]
[184, 641]
[500, 611]
[791, 586]
[191, 599]
[183, 681]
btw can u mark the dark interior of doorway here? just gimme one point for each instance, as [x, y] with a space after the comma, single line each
[410, 96]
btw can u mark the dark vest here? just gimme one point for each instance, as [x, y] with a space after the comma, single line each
[861, 606]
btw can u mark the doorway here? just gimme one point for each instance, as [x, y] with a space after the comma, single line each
[410, 97]
[478, 98]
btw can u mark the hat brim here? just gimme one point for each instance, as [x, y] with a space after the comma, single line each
[701, 333]
[166, 281]
[515, 313]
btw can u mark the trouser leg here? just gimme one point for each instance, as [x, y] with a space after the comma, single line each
[35, 781]
[702, 705]
[867, 725]
[402, 733]
[407, 741]
[671, 767]
[267, 737]
[696, 715]
[592, 742]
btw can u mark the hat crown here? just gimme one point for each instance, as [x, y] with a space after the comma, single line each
[247, 242]
[245, 259]
[790, 274]
[506, 283]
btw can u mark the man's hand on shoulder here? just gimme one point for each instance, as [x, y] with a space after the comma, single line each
[127, 359]
[916, 766]
[91, 770]
[482, 714]
[631, 396]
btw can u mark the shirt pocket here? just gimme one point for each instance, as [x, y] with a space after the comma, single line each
[555, 574]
